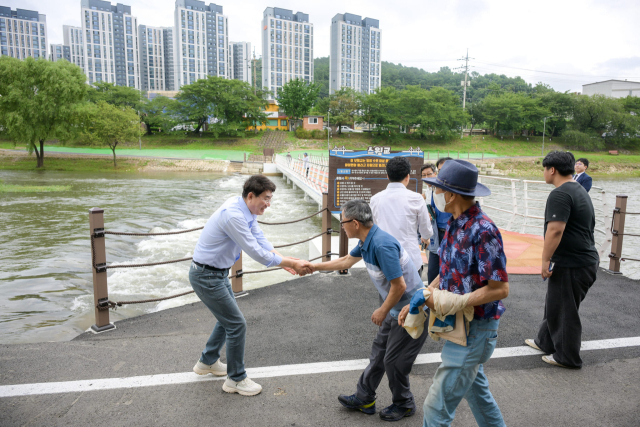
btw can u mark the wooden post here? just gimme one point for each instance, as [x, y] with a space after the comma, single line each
[618, 234]
[343, 246]
[236, 282]
[99, 269]
[326, 226]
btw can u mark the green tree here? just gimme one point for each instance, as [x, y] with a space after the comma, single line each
[158, 113]
[39, 100]
[230, 103]
[321, 75]
[381, 109]
[121, 96]
[298, 97]
[109, 125]
[342, 106]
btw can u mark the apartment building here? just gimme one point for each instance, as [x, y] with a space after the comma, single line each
[355, 53]
[72, 38]
[241, 61]
[58, 52]
[152, 57]
[110, 43]
[169, 63]
[201, 42]
[287, 48]
[23, 33]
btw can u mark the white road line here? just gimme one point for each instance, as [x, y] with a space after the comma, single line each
[267, 371]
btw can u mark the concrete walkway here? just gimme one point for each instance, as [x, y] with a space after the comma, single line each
[320, 319]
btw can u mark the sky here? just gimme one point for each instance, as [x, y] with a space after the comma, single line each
[562, 43]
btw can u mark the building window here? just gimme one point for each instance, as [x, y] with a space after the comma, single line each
[313, 120]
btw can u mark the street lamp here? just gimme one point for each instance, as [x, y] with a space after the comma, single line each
[544, 128]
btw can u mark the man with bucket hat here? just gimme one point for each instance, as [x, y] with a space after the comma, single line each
[472, 261]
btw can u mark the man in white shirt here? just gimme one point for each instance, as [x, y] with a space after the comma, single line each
[402, 212]
[305, 164]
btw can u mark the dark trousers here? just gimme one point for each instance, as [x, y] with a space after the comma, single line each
[434, 262]
[393, 352]
[560, 333]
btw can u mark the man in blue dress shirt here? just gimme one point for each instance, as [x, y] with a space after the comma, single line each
[231, 229]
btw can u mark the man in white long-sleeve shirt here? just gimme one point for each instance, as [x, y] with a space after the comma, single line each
[402, 212]
[233, 228]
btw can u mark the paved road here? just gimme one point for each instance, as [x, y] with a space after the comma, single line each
[322, 318]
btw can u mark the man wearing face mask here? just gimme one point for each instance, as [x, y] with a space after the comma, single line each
[472, 261]
[442, 218]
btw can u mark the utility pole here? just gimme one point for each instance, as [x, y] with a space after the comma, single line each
[464, 84]
[255, 88]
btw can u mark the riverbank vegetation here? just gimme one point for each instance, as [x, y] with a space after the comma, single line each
[11, 188]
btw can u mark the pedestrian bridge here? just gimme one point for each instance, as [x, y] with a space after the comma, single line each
[515, 205]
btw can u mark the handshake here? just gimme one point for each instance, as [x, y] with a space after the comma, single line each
[297, 266]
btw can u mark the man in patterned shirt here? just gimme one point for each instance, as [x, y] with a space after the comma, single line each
[472, 261]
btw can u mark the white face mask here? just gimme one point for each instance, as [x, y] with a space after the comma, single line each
[439, 200]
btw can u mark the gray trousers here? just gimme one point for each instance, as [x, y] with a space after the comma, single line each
[393, 352]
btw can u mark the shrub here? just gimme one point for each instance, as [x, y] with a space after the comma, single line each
[319, 134]
[583, 141]
[302, 133]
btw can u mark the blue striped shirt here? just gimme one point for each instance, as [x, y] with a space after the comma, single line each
[231, 230]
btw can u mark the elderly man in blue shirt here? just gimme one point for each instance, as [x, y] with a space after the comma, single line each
[396, 279]
[231, 229]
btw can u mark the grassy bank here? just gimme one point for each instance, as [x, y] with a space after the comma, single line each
[71, 164]
[599, 166]
[10, 188]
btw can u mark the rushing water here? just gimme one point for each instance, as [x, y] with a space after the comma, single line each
[45, 275]
[45, 269]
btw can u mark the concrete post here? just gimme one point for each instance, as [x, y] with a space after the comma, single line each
[99, 269]
[326, 226]
[236, 282]
[618, 234]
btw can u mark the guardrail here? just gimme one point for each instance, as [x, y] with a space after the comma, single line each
[99, 268]
[519, 206]
[617, 230]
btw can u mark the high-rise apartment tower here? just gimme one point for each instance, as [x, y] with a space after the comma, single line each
[152, 58]
[110, 43]
[73, 39]
[201, 42]
[287, 48]
[23, 33]
[241, 61]
[355, 53]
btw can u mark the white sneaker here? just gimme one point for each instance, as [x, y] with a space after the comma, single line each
[246, 387]
[217, 368]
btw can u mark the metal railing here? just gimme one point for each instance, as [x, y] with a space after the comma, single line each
[617, 231]
[102, 303]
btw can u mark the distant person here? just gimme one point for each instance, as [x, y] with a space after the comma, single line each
[428, 170]
[289, 158]
[568, 244]
[396, 279]
[402, 212]
[305, 164]
[233, 228]
[581, 176]
[442, 219]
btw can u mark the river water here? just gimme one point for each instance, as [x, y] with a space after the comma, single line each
[45, 268]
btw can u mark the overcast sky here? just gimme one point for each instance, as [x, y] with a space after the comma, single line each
[564, 43]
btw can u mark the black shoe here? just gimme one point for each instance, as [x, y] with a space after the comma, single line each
[396, 413]
[352, 402]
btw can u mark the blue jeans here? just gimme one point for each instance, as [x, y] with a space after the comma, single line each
[214, 290]
[461, 375]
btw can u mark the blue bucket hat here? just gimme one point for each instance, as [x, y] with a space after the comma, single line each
[459, 177]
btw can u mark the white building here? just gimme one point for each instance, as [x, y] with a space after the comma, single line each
[201, 42]
[152, 58]
[169, 63]
[241, 61]
[287, 48]
[612, 88]
[23, 33]
[355, 53]
[57, 52]
[72, 38]
[110, 43]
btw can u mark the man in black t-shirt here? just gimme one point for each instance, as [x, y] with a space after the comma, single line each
[569, 246]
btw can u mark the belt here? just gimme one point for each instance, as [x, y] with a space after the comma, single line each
[442, 229]
[208, 267]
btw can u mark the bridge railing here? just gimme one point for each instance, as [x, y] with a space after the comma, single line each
[518, 205]
[102, 303]
[317, 178]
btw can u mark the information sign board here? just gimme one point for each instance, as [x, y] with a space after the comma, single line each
[361, 174]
